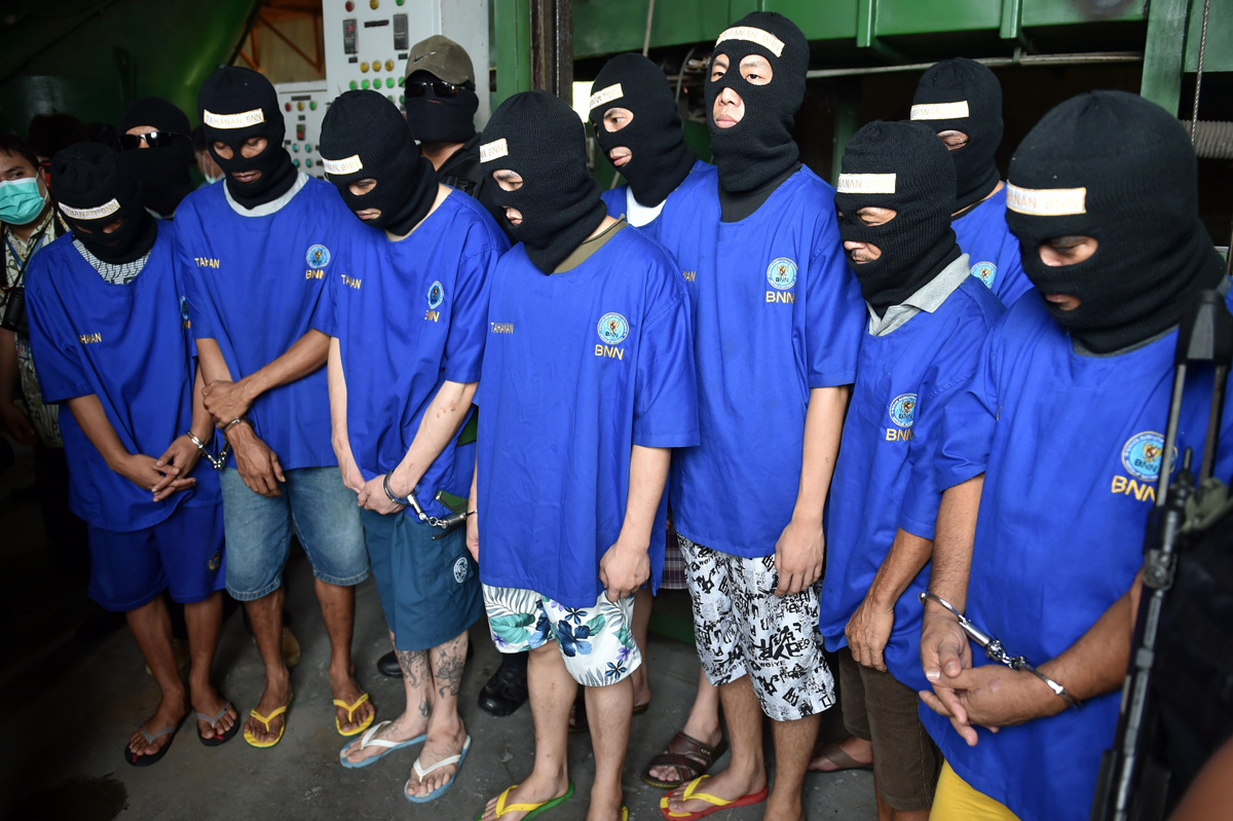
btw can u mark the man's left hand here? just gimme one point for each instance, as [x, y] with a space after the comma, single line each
[798, 556]
[176, 463]
[623, 569]
[225, 400]
[996, 696]
[373, 497]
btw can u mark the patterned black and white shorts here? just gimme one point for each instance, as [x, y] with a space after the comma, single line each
[741, 626]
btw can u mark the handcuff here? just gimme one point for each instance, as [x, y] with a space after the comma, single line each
[218, 461]
[447, 525]
[995, 650]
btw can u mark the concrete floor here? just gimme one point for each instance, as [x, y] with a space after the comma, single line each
[73, 699]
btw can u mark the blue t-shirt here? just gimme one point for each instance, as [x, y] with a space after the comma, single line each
[617, 202]
[884, 478]
[1071, 448]
[579, 367]
[777, 312]
[992, 249]
[127, 344]
[409, 316]
[253, 285]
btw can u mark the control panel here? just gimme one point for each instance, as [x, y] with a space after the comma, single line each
[367, 42]
[303, 106]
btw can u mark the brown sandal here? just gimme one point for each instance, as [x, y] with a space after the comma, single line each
[832, 753]
[689, 756]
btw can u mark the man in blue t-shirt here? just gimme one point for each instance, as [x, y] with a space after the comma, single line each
[400, 393]
[254, 253]
[107, 330]
[569, 494]
[927, 323]
[637, 127]
[1055, 443]
[961, 100]
[778, 319]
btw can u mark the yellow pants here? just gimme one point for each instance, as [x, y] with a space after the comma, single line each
[956, 800]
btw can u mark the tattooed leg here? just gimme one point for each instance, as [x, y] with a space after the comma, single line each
[417, 680]
[446, 733]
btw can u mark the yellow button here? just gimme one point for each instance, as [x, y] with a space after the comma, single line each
[364, 67]
[300, 106]
[376, 64]
[374, 3]
[389, 65]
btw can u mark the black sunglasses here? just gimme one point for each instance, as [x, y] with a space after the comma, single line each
[439, 87]
[154, 139]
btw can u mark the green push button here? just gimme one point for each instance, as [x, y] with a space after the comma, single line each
[364, 85]
[354, 85]
[389, 82]
[312, 105]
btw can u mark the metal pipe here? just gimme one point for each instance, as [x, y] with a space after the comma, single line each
[1082, 58]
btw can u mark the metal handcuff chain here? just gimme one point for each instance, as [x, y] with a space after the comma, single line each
[995, 650]
[218, 461]
[447, 524]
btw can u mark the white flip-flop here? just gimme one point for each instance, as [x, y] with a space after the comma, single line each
[444, 788]
[367, 741]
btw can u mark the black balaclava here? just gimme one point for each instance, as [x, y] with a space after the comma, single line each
[902, 166]
[540, 138]
[1120, 169]
[659, 159]
[760, 147]
[436, 119]
[163, 171]
[95, 186]
[364, 136]
[962, 95]
[236, 104]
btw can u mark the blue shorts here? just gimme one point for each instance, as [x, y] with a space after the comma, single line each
[183, 553]
[323, 512]
[429, 589]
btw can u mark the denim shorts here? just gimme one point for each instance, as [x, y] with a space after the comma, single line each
[182, 554]
[429, 588]
[326, 520]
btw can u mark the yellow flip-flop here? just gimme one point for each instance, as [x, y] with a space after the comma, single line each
[351, 708]
[275, 713]
[531, 810]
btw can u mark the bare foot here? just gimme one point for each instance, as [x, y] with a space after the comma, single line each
[348, 690]
[728, 785]
[846, 754]
[530, 792]
[277, 693]
[207, 701]
[403, 728]
[439, 746]
[169, 713]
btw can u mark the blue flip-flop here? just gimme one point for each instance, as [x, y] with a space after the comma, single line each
[444, 788]
[367, 740]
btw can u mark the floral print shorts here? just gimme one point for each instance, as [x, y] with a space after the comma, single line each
[597, 642]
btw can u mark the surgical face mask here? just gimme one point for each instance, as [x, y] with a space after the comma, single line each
[21, 201]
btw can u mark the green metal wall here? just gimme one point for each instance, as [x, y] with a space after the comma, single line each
[91, 58]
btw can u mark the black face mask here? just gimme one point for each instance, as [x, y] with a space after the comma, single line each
[902, 166]
[539, 137]
[440, 119]
[363, 136]
[659, 159]
[759, 147]
[238, 104]
[963, 95]
[95, 187]
[1120, 169]
[163, 170]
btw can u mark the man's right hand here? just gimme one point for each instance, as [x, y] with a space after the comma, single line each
[17, 423]
[257, 464]
[945, 652]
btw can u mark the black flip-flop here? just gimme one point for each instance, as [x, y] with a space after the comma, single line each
[134, 760]
[218, 739]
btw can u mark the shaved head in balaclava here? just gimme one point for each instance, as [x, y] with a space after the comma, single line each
[163, 170]
[236, 104]
[364, 136]
[539, 137]
[760, 147]
[902, 166]
[1120, 169]
[95, 187]
[963, 95]
[659, 159]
